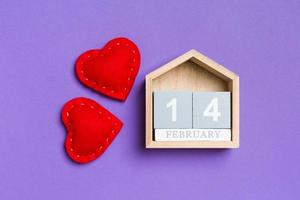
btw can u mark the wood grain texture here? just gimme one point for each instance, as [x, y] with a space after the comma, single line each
[189, 76]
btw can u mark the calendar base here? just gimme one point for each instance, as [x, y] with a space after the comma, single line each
[192, 135]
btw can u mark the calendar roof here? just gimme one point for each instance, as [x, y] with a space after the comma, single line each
[199, 59]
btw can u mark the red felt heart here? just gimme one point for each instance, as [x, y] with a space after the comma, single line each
[110, 70]
[90, 129]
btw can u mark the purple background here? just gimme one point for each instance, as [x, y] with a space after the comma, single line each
[39, 42]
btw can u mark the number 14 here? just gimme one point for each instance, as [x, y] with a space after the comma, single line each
[212, 109]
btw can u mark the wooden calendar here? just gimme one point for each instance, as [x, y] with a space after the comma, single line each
[192, 102]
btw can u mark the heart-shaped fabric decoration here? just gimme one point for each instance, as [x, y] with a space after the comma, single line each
[110, 70]
[90, 129]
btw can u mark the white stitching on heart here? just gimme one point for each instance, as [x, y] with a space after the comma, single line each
[130, 79]
[71, 139]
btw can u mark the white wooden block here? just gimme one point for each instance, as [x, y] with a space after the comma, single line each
[173, 109]
[211, 110]
[192, 135]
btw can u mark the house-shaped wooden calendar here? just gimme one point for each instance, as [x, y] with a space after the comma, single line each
[192, 102]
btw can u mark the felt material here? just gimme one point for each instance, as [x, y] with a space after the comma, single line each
[111, 70]
[90, 129]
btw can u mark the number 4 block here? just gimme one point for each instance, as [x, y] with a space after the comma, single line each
[173, 109]
[211, 110]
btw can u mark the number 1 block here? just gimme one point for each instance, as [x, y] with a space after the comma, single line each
[211, 110]
[173, 109]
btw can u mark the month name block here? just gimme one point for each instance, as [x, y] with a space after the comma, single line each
[212, 110]
[192, 135]
[173, 109]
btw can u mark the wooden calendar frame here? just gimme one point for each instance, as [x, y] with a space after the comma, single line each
[196, 72]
